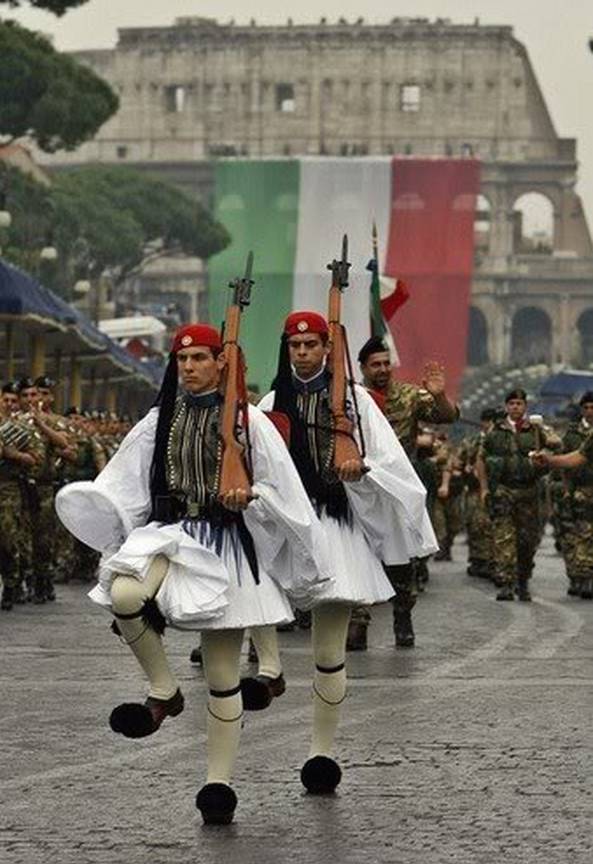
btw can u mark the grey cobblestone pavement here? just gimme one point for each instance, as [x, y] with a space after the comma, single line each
[474, 747]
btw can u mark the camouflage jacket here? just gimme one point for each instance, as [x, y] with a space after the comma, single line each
[506, 454]
[405, 406]
[577, 437]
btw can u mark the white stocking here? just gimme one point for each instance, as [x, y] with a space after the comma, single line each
[265, 639]
[330, 629]
[127, 596]
[221, 653]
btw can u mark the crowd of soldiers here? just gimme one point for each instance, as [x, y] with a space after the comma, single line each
[500, 485]
[40, 451]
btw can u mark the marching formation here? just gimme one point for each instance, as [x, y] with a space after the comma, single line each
[216, 515]
[41, 451]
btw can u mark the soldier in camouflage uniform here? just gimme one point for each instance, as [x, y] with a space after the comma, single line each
[576, 505]
[76, 559]
[405, 406]
[13, 461]
[50, 445]
[477, 519]
[448, 508]
[509, 482]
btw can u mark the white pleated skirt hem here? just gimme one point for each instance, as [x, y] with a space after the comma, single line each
[358, 575]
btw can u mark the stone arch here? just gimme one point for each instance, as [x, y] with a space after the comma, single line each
[531, 337]
[533, 224]
[585, 328]
[482, 224]
[477, 338]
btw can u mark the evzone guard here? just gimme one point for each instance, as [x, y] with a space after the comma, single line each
[368, 497]
[204, 525]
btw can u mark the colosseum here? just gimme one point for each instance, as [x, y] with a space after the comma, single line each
[201, 91]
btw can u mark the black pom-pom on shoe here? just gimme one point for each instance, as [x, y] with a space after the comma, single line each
[216, 802]
[321, 775]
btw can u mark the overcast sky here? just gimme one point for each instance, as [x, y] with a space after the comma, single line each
[555, 33]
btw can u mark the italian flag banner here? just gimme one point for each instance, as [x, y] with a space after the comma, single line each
[293, 213]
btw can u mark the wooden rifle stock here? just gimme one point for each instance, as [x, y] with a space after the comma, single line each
[345, 446]
[234, 473]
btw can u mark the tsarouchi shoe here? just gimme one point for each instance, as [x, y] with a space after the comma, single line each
[259, 691]
[137, 721]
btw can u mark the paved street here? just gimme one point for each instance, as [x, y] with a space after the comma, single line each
[474, 747]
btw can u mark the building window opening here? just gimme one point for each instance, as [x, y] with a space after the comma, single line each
[409, 97]
[482, 223]
[122, 151]
[285, 99]
[175, 99]
[533, 225]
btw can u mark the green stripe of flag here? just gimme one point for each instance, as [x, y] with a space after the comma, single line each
[258, 203]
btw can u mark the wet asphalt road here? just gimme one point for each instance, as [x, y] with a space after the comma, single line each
[476, 746]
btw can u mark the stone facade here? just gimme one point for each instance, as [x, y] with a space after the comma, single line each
[200, 90]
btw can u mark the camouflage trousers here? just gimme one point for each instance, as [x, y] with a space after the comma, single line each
[11, 533]
[447, 519]
[516, 529]
[480, 539]
[403, 582]
[41, 523]
[577, 537]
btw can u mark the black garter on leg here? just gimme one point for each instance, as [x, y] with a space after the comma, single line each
[150, 614]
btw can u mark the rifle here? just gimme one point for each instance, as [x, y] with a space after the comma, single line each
[235, 469]
[345, 447]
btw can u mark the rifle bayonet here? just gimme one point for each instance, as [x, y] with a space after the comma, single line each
[340, 268]
[242, 286]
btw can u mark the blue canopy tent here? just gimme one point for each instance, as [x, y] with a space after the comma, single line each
[560, 393]
[39, 324]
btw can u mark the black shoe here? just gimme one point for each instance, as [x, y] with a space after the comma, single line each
[196, 656]
[442, 555]
[50, 594]
[506, 593]
[403, 629]
[321, 775]
[357, 637]
[523, 592]
[574, 589]
[587, 589]
[285, 628]
[217, 803]
[259, 691]
[303, 619]
[137, 721]
[8, 598]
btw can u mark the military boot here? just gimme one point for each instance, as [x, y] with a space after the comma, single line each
[587, 589]
[506, 593]
[402, 627]
[523, 592]
[7, 598]
[574, 588]
[357, 636]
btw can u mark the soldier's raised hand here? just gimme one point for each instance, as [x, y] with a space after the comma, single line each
[434, 378]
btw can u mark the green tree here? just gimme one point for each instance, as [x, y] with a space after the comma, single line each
[48, 96]
[126, 219]
[57, 7]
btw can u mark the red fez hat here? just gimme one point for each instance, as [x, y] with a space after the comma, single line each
[191, 335]
[299, 323]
